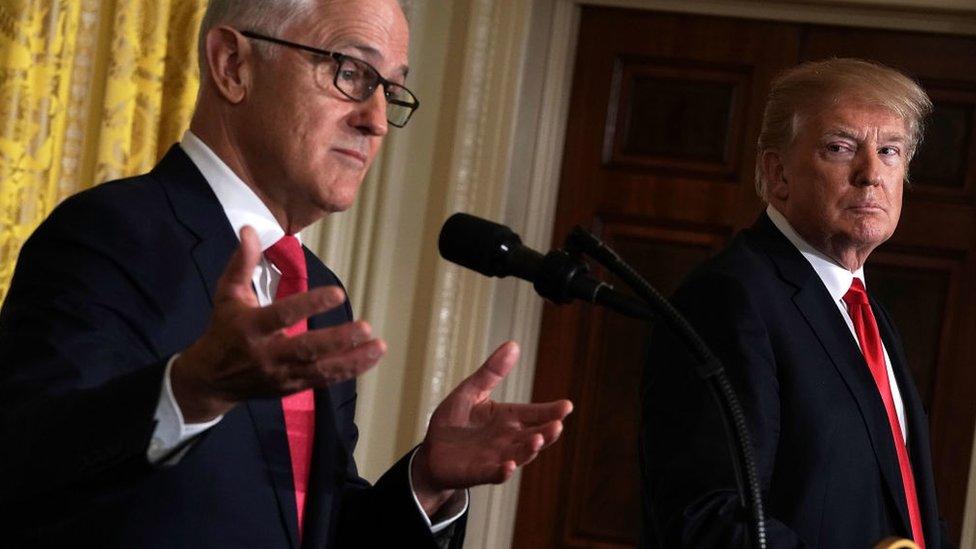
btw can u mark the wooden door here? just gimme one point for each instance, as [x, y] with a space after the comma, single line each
[659, 160]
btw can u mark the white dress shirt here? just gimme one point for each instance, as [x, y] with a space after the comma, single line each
[242, 207]
[838, 280]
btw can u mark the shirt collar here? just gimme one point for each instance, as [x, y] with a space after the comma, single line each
[239, 202]
[837, 279]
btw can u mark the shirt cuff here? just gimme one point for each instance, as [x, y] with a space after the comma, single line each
[441, 524]
[171, 431]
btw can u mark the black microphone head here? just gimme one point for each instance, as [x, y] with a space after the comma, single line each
[477, 244]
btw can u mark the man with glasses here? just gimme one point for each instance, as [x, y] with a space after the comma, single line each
[177, 371]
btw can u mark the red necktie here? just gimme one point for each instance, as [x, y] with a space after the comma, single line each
[299, 408]
[867, 334]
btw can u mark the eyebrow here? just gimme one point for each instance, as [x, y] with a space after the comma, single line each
[845, 133]
[372, 54]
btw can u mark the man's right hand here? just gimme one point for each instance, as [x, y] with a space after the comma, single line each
[245, 352]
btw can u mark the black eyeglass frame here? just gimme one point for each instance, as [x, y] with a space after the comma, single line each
[339, 58]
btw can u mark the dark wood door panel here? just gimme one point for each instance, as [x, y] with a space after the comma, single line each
[941, 168]
[676, 198]
[923, 55]
[686, 52]
[933, 224]
[598, 495]
[603, 497]
[677, 116]
[935, 279]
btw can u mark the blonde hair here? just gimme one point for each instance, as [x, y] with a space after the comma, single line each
[799, 90]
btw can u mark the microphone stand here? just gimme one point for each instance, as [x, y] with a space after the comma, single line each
[708, 368]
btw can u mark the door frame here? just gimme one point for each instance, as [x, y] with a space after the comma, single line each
[531, 202]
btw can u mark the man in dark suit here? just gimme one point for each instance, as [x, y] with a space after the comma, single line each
[840, 435]
[159, 383]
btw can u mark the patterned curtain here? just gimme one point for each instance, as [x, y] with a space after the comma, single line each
[90, 90]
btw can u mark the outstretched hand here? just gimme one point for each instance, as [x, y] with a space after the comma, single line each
[474, 440]
[246, 353]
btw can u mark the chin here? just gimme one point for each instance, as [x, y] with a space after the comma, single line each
[337, 204]
[337, 197]
[870, 236]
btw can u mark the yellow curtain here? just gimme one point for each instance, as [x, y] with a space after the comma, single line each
[90, 90]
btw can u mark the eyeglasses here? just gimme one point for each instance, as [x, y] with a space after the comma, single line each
[356, 79]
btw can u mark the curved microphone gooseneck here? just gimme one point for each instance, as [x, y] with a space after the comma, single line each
[709, 368]
[493, 249]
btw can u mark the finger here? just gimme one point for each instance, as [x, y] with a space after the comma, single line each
[297, 375]
[530, 441]
[294, 308]
[534, 413]
[314, 345]
[506, 471]
[527, 449]
[495, 473]
[235, 282]
[491, 373]
[549, 432]
[349, 364]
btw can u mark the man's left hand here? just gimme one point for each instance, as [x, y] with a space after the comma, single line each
[474, 440]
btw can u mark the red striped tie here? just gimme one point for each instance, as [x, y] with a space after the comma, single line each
[299, 408]
[867, 335]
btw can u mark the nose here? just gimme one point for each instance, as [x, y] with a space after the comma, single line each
[869, 169]
[369, 116]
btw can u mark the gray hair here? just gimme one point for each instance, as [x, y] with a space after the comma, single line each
[270, 17]
[265, 16]
[799, 90]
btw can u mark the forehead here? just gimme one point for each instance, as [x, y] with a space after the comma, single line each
[856, 117]
[375, 30]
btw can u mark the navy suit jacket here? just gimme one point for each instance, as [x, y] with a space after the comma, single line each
[109, 287]
[825, 453]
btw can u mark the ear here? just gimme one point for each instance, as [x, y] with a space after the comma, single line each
[774, 172]
[229, 58]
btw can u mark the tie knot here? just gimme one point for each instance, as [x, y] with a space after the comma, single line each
[856, 295]
[287, 255]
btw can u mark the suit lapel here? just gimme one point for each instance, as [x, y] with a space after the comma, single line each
[909, 395]
[816, 306]
[324, 471]
[322, 480]
[269, 426]
[918, 429]
[196, 206]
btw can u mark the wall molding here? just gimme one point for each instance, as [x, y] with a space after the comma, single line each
[939, 16]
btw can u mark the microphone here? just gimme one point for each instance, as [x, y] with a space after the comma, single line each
[493, 249]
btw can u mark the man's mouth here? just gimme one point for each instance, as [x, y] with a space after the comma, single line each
[866, 207]
[351, 153]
